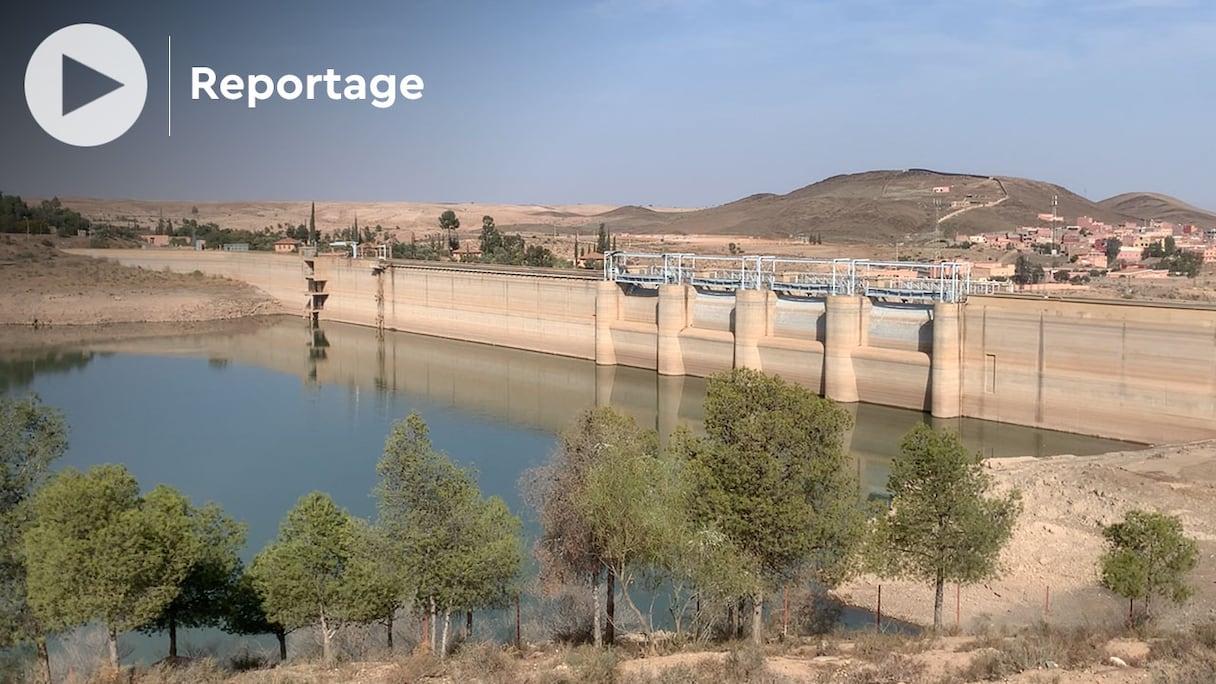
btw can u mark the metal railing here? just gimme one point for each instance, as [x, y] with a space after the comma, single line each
[948, 281]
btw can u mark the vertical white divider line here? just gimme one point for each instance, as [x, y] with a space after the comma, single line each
[169, 95]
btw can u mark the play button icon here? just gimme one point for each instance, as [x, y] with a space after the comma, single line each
[82, 85]
[85, 85]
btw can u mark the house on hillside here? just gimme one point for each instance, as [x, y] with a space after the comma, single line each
[466, 254]
[991, 270]
[590, 260]
[1092, 259]
[287, 246]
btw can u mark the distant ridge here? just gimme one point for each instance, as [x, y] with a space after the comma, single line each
[1152, 205]
[629, 211]
[884, 206]
[896, 205]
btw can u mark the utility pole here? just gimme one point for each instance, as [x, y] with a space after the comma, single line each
[1054, 245]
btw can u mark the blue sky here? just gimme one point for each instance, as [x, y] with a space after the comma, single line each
[665, 102]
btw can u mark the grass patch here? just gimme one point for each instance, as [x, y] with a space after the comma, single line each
[1041, 647]
[875, 645]
[198, 671]
[483, 663]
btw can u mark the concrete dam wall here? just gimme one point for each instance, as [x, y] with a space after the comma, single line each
[1130, 371]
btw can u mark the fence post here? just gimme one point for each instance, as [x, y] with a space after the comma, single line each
[785, 611]
[1046, 602]
[958, 611]
[878, 613]
[518, 643]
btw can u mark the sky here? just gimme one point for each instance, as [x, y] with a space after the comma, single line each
[687, 103]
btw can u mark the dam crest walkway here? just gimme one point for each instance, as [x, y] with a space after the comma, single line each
[908, 281]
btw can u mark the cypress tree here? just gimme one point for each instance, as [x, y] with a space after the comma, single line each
[312, 225]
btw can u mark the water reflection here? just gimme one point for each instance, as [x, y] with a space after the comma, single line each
[524, 390]
[19, 367]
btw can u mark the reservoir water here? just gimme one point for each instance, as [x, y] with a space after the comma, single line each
[254, 415]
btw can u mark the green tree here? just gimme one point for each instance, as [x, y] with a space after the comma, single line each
[1113, 245]
[455, 550]
[773, 478]
[512, 251]
[245, 613]
[631, 504]
[487, 559]
[1148, 555]
[373, 580]
[602, 240]
[449, 224]
[207, 587]
[1185, 263]
[536, 255]
[99, 551]
[312, 225]
[569, 548]
[301, 575]
[1026, 272]
[944, 524]
[491, 239]
[32, 437]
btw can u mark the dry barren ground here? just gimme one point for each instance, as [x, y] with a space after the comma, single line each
[1050, 565]
[43, 287]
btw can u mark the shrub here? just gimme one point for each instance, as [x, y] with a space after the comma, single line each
[891, 669]
[485, 662]
[1037, 648]
[200, 671]
[744, 664]
[245, 660]
[593, 665]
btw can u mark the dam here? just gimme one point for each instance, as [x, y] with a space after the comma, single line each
[930, 341]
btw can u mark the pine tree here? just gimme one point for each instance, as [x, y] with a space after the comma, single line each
[455, 550]
[1148, 555]
[97, 550]
[301, 575]
[245, 613]
[944, 524]
[32, 437]
[630, 503]
[772, 479]
[207, 587]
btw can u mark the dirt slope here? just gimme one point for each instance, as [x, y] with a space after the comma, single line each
[1050, 565]
[46, 287]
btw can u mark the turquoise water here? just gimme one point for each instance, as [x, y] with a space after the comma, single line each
[254, 416]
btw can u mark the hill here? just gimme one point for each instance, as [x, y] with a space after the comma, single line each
[870, 207]
[1152, 205]
[881, 206]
